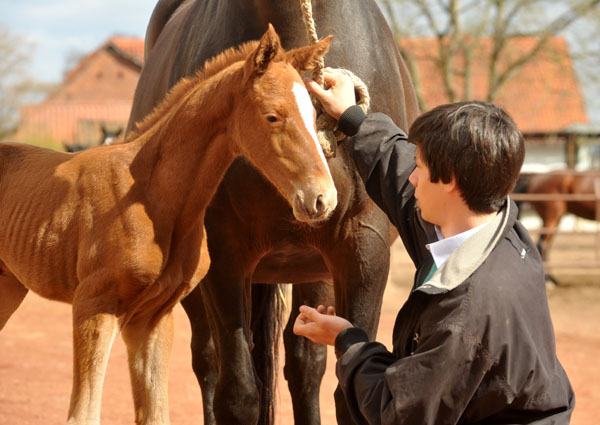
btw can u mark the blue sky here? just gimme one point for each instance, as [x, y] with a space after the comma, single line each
[57, 28]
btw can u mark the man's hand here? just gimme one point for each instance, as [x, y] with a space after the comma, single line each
[319, 326]
[338, 97]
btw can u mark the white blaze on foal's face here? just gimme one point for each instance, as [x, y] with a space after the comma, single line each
[307, 111]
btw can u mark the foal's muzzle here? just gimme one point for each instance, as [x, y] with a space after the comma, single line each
[314, 205]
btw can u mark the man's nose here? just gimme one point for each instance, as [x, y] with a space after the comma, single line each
[413, 177]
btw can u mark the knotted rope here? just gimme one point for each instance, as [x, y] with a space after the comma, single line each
[325, 123]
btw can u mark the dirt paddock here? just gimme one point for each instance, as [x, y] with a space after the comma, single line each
[36, 355]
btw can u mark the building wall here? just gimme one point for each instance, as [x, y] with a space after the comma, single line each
[100, 77]
[57, 124]
[541, 157]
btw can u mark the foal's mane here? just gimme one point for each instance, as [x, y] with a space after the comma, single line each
[211, 67]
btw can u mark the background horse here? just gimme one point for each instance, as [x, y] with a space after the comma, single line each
[252, 235]
[108, 137]
[118, 230]
[562, 182]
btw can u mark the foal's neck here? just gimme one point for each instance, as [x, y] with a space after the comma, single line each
[183, 156]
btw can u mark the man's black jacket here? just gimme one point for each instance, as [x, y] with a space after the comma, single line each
[475, 344]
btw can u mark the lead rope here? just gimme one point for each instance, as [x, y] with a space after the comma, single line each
[326, 124]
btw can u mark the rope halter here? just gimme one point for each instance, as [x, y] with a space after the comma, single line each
[326, 124]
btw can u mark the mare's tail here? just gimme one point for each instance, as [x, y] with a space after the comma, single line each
[268, 307]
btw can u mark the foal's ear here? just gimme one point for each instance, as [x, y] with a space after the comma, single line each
[268, 48]
[307, 57]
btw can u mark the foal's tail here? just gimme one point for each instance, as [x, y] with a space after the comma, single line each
[155, 300]
[268, 307]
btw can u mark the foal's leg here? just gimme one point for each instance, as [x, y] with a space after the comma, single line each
[95, 327]
[204, 357]
[12, 293]
[148, 350]
[305, 361]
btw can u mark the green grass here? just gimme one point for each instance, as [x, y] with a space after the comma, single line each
[47, 143]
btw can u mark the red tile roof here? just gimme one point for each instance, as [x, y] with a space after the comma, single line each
[133, 46]
[130, 48]
[542, 96]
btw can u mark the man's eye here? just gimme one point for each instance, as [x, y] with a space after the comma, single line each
[272, 118]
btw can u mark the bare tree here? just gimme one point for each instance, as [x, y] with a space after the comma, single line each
[459, 26]
[16, 86]
[585, 50]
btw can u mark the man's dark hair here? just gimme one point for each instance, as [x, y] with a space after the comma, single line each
[477, 143]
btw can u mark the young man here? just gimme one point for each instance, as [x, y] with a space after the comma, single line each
[473, 342]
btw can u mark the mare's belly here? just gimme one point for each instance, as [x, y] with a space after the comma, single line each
[291, 265]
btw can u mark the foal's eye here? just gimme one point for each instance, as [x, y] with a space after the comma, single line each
[272, 118]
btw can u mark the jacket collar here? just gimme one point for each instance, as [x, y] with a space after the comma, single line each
[471, 254]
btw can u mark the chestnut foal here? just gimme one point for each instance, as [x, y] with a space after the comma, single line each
[118, 230]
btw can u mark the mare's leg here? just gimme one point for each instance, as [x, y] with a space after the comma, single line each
[149, 345]
[360, 270]
[266, 322]
[305, 361]
[95, 327]
[12, 293]
[204, 357]
[227, 303]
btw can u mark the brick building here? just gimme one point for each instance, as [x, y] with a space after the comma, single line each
[97, 93]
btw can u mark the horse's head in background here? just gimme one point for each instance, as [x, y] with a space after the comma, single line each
[110, 135]
[275, 126]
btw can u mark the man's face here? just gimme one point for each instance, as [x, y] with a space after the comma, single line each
[431, 197]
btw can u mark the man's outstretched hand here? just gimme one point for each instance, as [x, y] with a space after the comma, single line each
[320, 325]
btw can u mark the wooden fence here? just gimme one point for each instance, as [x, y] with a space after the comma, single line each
[584, 197]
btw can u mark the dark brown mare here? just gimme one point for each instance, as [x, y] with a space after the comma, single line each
[118, 230]
[560, 183]
[252, 234]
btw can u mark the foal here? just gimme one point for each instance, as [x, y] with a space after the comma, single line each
[117, 230]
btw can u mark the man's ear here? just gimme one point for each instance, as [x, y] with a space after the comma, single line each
[268, 48]
[451, 186]
[307, 57]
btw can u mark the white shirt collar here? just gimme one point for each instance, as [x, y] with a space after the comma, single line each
[444, 247]
[469, 255]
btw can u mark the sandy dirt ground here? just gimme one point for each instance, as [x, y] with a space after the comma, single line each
[36, 354]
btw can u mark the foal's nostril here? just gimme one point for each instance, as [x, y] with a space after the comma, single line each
[313, 209]
[319, 205]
